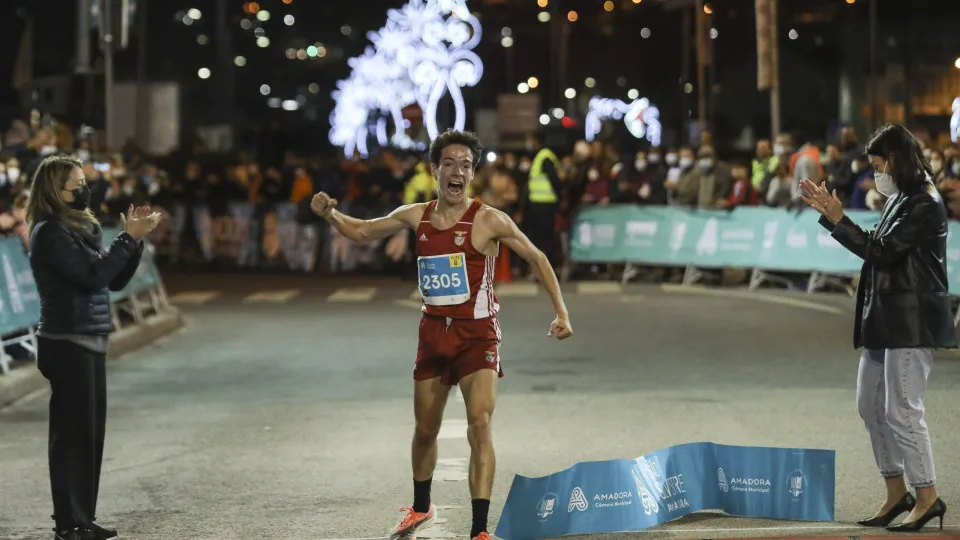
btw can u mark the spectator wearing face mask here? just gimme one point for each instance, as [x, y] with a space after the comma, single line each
[634, 181]
[709, 183]
[682, 184]
[743, 192]
[863, 183]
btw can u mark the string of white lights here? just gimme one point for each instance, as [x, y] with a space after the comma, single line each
[424, 52]
[641, 118]
[955, 120]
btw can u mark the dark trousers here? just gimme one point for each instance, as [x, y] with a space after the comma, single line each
[78, 417]
[540, 222]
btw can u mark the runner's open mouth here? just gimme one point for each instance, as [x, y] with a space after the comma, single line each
[455, 187]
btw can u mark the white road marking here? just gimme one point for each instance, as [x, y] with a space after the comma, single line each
[409, 304]
[451, 469]
[516, 289]
[681, 530]
[632, 298]
[453, 428]
[354, 294]
[277, 297]
[194, 297]
[760, 297]
[598, 287]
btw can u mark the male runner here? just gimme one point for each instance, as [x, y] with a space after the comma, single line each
[458, 240]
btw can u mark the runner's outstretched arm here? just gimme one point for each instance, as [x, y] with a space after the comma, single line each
[505, 230]
[366, 230]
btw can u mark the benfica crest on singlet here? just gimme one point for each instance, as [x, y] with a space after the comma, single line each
[460, 237]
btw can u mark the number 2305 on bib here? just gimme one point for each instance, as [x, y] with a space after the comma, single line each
[443, 279]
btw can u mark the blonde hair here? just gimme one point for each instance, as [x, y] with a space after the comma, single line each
[44, 201]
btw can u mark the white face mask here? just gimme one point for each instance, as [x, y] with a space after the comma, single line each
[778, 149]
[13, 174]
[671, 159]
[686, 162]
[128, 190]
[654, 158]
[955, 168]
[885, 183]
[83, 155]
[640, 164]
[592, 175]
[706, 163]
[47, 150]
[524, 166]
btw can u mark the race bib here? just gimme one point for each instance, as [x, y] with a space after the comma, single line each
[443, 279]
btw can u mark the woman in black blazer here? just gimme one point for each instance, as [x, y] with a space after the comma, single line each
[903, 316]
[74, 277]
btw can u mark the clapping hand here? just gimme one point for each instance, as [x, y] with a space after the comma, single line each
[139, 221]
[816, 197]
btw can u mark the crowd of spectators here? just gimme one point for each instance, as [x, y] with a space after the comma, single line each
[593, 173]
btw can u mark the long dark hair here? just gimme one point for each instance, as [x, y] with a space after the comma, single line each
[906, 163]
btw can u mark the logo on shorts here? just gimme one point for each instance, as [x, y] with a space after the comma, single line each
[423, 237]
[492, 357]
[460, 238]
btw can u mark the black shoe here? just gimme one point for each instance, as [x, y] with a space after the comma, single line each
[905, 504]
[74, 534]
[936, 511]
[99, 533]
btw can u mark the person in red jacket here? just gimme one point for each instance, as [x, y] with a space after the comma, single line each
[743, 193]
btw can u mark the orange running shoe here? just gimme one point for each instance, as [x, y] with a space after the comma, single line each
[482, 536]
[413, 521]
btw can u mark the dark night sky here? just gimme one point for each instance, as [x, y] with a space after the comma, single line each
[606, 46]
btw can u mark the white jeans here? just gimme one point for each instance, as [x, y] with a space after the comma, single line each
[890, 388]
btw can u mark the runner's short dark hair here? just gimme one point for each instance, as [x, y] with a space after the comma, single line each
[450, 137]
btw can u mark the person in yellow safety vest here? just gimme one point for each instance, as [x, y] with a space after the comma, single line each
[422, 187]
[541, 199]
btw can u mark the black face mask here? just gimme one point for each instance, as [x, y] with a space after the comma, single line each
[81, 198]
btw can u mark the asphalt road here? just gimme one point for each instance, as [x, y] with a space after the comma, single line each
[280, 412]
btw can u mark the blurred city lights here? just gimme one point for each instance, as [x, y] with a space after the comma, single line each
[957, 63]
[608, 5]
[273, 103]
[290, 105]
[288, 2]
[491, 156]
[289, 20]
[533, 82]
[301, 54]
[251, 7]
[590, 82]
[259, 32]
[708, 9]
[291, 53]
[633, 93]
[312, 51]
[265, 89]
[851, 1]
[558, 113]
[637, 1]
[203, 73]
[314, 88]
[641, 118]
[543, 16]
[713, 33]
[263, 42]
[202, 39]
[187, 20]
[246, 24]
[263, 15]
[506, 31]
[543, 3]
[570, 93]
[194, 14]
[506, 42]
[572, 16]
[239, 61]
[346, 30]
[523, 88]
[645, 33]
[793, 34]
[544, 119]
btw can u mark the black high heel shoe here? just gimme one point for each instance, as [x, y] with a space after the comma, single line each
[905, 504]
[938, 510]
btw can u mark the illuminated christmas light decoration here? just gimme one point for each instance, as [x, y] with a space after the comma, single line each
[424, 52]
[955, 121]
[641, 118]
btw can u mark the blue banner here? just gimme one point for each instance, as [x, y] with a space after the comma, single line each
[626, 495]
[19, 299]
[750, 237]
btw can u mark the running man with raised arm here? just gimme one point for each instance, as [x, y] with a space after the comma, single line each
[458, 240]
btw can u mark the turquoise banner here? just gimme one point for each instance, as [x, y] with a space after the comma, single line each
[147, 276]
[19, 300]
[767, 238]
